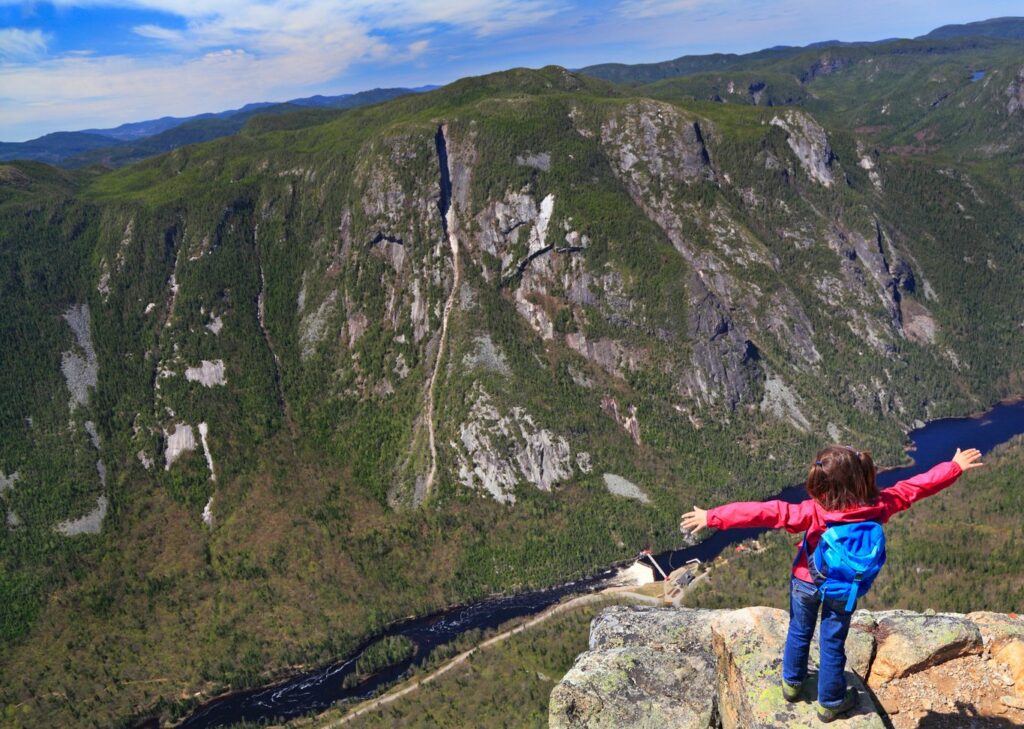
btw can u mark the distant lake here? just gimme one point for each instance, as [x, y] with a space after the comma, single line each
[978, 75]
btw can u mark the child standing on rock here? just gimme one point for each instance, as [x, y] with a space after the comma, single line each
[840, 554]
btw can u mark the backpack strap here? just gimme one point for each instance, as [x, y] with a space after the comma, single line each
[851, 597]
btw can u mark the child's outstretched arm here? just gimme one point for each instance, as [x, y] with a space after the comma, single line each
[931, 482]
[766, 514]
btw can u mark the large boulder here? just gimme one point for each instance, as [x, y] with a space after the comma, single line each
[635, 687]
[647, 667]
[860, 644]
[631, 625]
[908, 642]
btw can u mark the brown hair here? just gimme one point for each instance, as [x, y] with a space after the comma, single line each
[842, 477]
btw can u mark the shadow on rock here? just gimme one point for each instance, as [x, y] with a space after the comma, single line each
[964, 717]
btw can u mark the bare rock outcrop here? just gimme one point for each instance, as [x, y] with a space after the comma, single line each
[210, 373]
[748, 644]
[626, 419]
[725, 364]
[178, 442]
[497, 451]
[660, 137]
[782, 402]
[720, 669]
[620, 486]
[80, 367]
[907, 642]
[90, 523]
[644, 668]
[1016, 93]
[809, 143]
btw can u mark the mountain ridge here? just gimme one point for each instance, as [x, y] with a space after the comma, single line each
[132, 141]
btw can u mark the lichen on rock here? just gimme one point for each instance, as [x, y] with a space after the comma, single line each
[909, 642]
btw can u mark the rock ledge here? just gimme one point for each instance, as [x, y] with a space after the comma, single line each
[719, 669]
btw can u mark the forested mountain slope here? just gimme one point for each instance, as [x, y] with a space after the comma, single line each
[262, 395]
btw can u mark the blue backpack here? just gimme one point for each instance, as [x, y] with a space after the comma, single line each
[847, 560]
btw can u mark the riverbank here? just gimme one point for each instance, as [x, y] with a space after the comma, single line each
[650, 594]
[404, 690]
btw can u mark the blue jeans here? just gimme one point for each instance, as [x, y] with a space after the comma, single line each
[804, 601]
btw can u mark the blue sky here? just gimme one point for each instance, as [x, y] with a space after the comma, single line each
[75, 64]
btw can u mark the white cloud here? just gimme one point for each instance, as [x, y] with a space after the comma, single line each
[274, 51]
[656, 8]
[21, 45]
[481, 18]
[419, 47]
[157, 32]
[82, 91]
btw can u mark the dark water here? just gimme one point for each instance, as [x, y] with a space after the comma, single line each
[316, 691]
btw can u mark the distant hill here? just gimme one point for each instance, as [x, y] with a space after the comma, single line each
[52, 148]
[138, 130]
[994, 28]
[685, 65]
[644, 73]
[137, 140]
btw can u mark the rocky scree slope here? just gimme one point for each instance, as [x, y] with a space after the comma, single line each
[665, 295]
[703, 669]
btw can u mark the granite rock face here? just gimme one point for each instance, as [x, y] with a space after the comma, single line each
[646, 667]
[720, 669]
[810, 144]
[639, 687]
[908, 642]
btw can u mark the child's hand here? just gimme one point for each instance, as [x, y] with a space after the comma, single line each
[967, 459]
[694, 521]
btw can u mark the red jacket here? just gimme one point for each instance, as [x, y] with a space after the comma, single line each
[809, 515]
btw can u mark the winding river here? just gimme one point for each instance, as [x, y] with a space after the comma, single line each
[317, 690]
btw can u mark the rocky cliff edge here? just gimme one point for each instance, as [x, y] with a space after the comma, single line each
[719, 669]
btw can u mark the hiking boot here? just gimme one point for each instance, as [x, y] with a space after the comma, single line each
[826, 714]
[791, 692]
